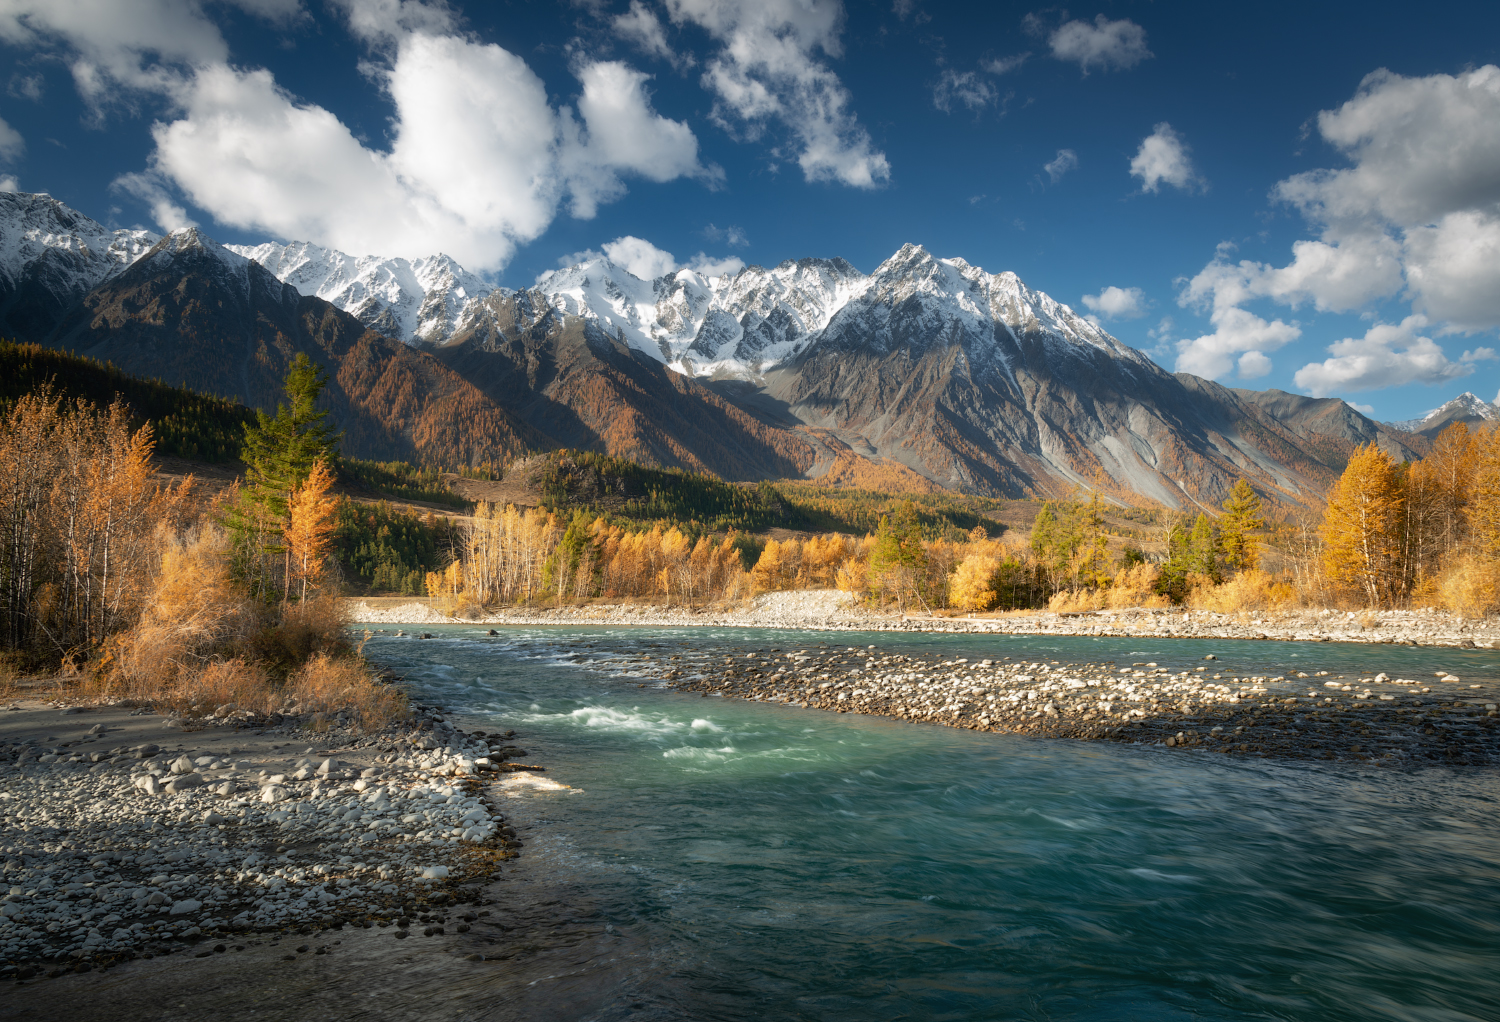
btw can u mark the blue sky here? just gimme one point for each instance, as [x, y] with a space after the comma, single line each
[1303, 196]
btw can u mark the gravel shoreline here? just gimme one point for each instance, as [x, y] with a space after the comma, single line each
[1213, 707]
[830, 610]
[126, 834]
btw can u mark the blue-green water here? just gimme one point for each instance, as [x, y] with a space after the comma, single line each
[737, 860]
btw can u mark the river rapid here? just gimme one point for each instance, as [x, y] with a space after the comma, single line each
[727, 859]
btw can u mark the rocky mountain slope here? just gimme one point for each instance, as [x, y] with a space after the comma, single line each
[190, 312]
[51, 256]
[969, 379]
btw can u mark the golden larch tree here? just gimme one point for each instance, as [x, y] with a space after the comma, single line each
[310, 514]
[1362, 540]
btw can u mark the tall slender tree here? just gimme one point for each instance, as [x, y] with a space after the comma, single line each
[1242, 516]
[279, 452]
[309, 528]
[1362, 541]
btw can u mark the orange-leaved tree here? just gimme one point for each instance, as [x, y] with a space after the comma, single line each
[310, 514]
[1362, 541]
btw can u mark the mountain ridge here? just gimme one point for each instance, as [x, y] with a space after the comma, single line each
[968, 378]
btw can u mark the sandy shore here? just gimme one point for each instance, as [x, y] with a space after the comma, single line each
[832, 610]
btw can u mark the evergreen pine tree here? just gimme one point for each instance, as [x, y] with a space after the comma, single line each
[279, 453]
[1241, 517]
[1203, 548]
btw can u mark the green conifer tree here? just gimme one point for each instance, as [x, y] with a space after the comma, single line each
[1242, 516]
[279, 453]
[1203, 548]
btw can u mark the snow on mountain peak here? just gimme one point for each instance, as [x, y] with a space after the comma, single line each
[406, 299]
[40, 235]
[1466, 405]
[738, 325]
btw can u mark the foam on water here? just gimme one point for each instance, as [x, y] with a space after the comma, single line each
[786, 864]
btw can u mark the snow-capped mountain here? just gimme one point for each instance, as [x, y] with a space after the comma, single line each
[968, 378]
[38, 231]
[409, 300]
[733, 325]
[51, 256]
[1464, 408]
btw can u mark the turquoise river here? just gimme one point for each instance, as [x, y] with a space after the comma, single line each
[719, 859]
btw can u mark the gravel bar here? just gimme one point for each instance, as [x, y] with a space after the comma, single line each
[125, 834]
[1212, 707]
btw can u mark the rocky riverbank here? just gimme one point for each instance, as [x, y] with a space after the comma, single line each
[126, 834]
[1215, 706]
[836, 611]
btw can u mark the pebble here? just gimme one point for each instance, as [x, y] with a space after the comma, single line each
[1231, 711]
[832, 610]
[110, 858]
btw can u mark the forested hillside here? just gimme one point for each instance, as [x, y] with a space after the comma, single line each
[184, 423]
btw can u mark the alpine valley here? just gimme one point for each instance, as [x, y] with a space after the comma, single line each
[931, 369]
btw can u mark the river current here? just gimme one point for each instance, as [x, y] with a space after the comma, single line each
[722, 859]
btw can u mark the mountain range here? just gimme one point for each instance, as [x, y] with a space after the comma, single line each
[931, 370]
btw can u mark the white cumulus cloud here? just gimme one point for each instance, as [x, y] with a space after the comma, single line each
[1388, 355]
[480, 159]
[1236, 333]
[1105, 44]
[1334, 278]
[1117, 302]
[640, 27]
[137, 44]
[624, 136]
[732, 236]
[646, 261]
[151, 190]
[1415, 214]
[1424, 171]
[1005, 65]
[641, 257]
[1163, 159]
[767, 70]
[1064, 161]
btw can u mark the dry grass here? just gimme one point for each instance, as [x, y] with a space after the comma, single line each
[1077, 600]
[1132, 587]
[1470, 587]
[325, 685]
[1136, 587]
[8, 680]
[201, 645]
[193, 617]
[1248, 591]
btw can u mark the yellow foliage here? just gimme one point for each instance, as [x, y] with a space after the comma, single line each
[972, 586]
[326, 684]
[1362, 527]
[193, 610]
[1077, 600]
[1484, 506]
[1255, 589]
[309, 526]
[1471, 586]
[776, 569]
[1135, 586]
[853, 576]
